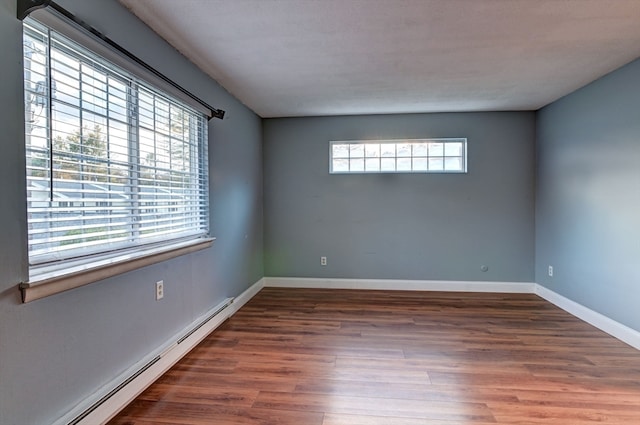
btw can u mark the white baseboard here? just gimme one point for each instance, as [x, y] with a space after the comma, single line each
[604, 323]
[600, 321]
[171, 353]
[400, 285]
[246, 296]
[160, 361]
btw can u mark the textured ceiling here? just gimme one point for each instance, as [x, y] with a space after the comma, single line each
[334, 57]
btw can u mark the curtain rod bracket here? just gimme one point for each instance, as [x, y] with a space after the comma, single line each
[217, 113]
[25, 7]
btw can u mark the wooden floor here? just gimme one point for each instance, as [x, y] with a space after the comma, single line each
[335, 357]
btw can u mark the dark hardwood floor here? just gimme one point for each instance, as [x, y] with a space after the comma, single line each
[337, 357]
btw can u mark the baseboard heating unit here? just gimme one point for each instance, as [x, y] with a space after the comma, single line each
[120, 392]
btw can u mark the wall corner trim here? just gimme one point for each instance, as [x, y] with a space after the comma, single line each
[616, 329]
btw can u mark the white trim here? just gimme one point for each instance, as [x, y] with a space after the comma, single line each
[169, 354]
[401, 285]
[83, 273]
[600, 321]
[615, 329]
[172, 352]
[246, 296]
[396, 142]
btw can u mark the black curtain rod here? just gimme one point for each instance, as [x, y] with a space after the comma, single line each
[25, 7]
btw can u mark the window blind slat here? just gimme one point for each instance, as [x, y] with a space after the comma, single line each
[111, 161]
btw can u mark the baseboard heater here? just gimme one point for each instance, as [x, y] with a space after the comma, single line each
[135, 383]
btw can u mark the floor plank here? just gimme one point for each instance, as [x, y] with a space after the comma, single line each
[343, 357]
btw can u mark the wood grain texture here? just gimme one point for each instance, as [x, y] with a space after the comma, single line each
[343, 357]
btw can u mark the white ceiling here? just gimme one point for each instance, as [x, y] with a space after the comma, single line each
[334, 57]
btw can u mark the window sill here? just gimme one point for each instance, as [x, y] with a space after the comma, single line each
[74, 277]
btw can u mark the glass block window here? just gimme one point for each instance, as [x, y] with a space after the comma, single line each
[398, 156]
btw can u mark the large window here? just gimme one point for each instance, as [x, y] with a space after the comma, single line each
[111, 162]
[399, 156]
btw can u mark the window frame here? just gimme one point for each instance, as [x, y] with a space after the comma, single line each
[354, 145]
[91, 265]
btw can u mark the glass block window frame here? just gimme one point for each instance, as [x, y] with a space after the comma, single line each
[444, 155]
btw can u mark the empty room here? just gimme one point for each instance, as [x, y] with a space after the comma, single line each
[320, 212]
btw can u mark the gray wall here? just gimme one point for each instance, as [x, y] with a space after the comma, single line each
[401, 226]
[588, 195]
[56, 351]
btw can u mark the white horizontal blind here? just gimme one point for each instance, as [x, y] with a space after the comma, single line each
[111, 162]
[398, 156]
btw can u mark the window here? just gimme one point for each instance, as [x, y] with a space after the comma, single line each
[111, 162]
[398, 156]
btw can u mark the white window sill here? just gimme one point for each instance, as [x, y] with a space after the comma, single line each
[57, 281]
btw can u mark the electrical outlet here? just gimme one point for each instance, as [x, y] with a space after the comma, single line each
[159, 290]
[323, 261]
[550, 271]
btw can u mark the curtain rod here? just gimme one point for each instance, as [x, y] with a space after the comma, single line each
[25, 7]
